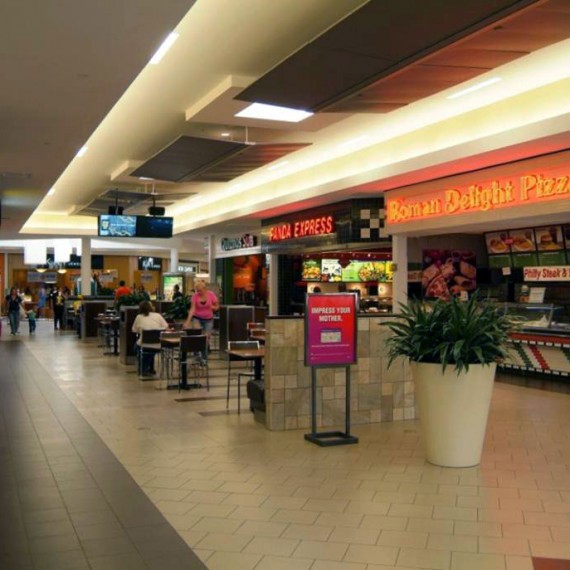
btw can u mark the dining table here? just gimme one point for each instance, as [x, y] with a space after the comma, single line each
[250, 354]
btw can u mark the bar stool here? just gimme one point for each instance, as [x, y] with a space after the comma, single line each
[150, 344]
[239, 345]
[194, 366]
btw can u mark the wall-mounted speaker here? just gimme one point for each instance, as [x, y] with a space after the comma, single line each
[156, 210]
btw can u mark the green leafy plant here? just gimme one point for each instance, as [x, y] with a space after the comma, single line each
[132, 300]
[178, 309]
[450, 333]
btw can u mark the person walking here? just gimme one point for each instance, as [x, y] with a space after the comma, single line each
[14, 306]
[31, 320]
[202, 307]
[58, 303]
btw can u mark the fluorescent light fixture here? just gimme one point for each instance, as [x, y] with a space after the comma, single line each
[81, 152]
[353, 142]
[35, 252]
[163, 49]
[475, 87]
[274, 113]
[225, 135]
[145, 178]
[279, 165]
[51, 191]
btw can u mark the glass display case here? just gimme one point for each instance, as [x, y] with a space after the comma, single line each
[536, 317]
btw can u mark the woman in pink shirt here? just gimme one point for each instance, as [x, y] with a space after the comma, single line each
[203, 305]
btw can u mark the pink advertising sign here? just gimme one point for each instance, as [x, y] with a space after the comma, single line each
[330, 329]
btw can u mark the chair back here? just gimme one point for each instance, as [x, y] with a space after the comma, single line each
[241, 345]
[193, 332]
[194, 343]
[250, 326]
[151, 336]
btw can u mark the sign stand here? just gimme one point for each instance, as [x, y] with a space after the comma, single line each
[329, 438]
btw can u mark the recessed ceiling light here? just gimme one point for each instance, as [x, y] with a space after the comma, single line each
[279, 165]
[225, 134]
[274, 113]
[145, 178]
[475, 87]
[51, 191]
[163, 49]
[81, 152]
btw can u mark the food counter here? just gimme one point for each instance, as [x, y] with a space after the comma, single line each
[542, 344]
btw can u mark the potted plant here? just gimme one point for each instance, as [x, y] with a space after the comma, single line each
[453, 348]
[132, 300]
[178, 309]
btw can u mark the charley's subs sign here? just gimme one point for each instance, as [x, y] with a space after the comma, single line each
[534, 187]
[244, 242]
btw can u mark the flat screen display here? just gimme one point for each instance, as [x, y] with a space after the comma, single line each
[117, 226]
[154, 226]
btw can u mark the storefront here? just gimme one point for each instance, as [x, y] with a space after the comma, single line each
[505, 233]
[338, 247]
[241, 270]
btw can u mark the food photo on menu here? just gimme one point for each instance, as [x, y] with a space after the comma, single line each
[549, 238]
[448, 272]
[311, 270]
[498, 242]
[522, 241]
[331, 270]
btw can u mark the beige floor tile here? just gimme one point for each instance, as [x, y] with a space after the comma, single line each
[192, 537]
[517, 546]
[430, 526]
[308, 532]
[354, 535]
[558, 534]
[515, 530]
[206, 497]
[402, 538]
[424, 558]
[454, 513]
[351, 520]
[174, 507]
[331, 565]
[279, 502]
[272, 546]
[277, 490]
[394, 497]
[215, 524]
[243, 500]
[541, 495]
[467, 561]
[478, 502]
[375, 522]
[326, 505]
[436, 499]
[203, 555]
[371, 554]
[220, 511]
[281, 563]
[523, 504]
[324, 492]
[223, 542]
[415, 511]
[319, 550]
[545, 549]
[452, 542]
[353, 494]
[235, 561]
[252, 513]
[519, 563]
[459, 490]
[555, 507]
[295, 516]
[477, 528]
[501, 515]
[367, 508]
[183, 522]
[547, 519]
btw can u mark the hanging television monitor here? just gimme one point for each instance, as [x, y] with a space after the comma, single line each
[116, 226]
[154, 226]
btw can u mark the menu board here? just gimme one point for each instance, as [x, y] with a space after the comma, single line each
[331, 270]
[448, 272]
[529, 247]
[311, 270]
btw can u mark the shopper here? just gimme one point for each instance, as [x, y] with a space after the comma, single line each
[202, 307]
[176, 293]
[147, 319]
[58, 305]
[31, 320]
[13, 307]
[121, 290]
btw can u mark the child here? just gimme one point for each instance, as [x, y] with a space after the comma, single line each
[32, 321]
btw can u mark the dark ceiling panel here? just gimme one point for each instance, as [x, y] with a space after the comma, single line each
[187, 155]
[249, 159]
[373, 42]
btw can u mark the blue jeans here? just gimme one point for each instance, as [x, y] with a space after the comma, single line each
[207, 326]
[14, 318]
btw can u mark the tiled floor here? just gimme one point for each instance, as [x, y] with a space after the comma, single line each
[245, 498]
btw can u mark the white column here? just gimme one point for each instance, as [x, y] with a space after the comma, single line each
[273, 284]
[400, 284]
[86, 266]
[174, 260]
[212, 258]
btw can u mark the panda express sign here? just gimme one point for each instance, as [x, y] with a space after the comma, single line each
[536, 186]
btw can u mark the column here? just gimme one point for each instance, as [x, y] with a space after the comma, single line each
[273, 284]
[86, 266]
[212, 258]
[400, 258]
[174, 260]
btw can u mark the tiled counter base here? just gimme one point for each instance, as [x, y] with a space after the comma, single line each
[378, 393]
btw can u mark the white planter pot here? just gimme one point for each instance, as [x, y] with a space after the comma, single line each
[453, 411]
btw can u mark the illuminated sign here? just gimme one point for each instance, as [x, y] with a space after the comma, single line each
[243, 242]
[480, 197]
[303, 228]
[561, 273]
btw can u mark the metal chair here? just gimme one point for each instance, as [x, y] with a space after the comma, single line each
[150, 344]
[249, 373]
[195, 366]
[169, 354]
